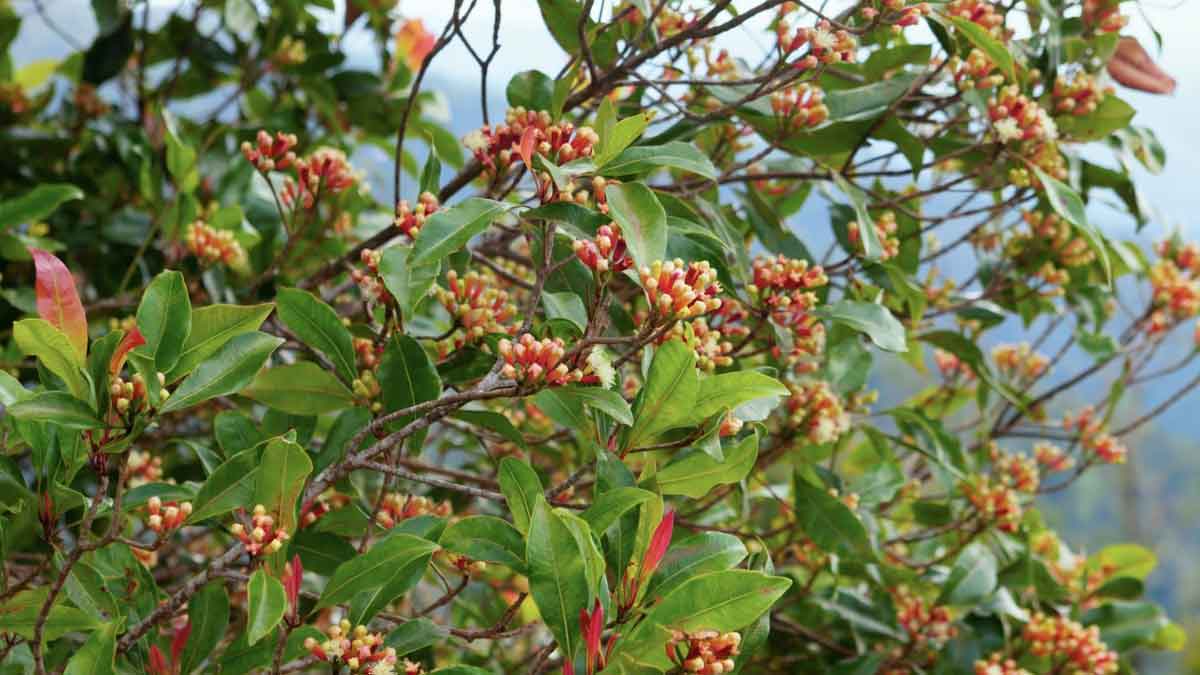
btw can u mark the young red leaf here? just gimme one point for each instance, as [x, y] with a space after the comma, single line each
[132, 340]
[181, 638]
[57, 301]
[658, 544]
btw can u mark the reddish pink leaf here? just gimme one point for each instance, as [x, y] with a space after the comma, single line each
[658, 544]
[57, 301]
[181, 638]
[528, 140]
[132, 340]
[158, 662]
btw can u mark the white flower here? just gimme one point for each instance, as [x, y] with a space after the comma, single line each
[1007, 130]
[383, 668]
[823, 39]
[475, 141]
[1049, 128]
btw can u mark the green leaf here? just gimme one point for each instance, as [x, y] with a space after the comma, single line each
[98, 655]
[972, 579]
[531, 89]
[231, 486]
[181, 157]
[486, 538]
[374, 568]
[431, 173]
[727, 391]
[1066, 203]
[209, 613]
[450, 229]
[493, 421]
[407, 376]
[872, 248]
[282, 472]
[830, 523]
[720, 601]
[674, 155]
[1126, 625]
[558, 580]
[56, 407]
[996, 52]
[869, 101]
[19, 613]
[1111, 115]
[605, 400]
[318, 326]
[35, 205]
[669, 397]
[699, 554]
[623, 134]
[301, 388]
[212, 327]
[642, 219]
[165, 319]
[695, 473]
[227, 371]
[86, 588]
[611, 505]
[408, 283]
[522, 490]
[414, 635]
[867, 317]
[566, 305]
[53, 350]
[1124, 560]
[266, 602]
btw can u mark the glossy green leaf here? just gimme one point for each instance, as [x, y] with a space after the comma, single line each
[996, 52]
[266, 602]
[407, 377]
[301, 388]
[374, 568]
[36, 204]
[868, 101]
[208, 611]
[165, 319]
[558, 580]
[227, 371]
[695, 473]
[646, 158]
[566, 305]
[972, 579]
[450, 229]
[669, 397]
[727, 391]
[830, 523]
[212, 327]
[1067, 203]
[522, 490]
[283, 469]
[870, 318]
[699, 554]
[53, 350]
[642, 219]
[230, 487]
[609, 506]
[486, 538]
[414, 635]
[98, 654]
[407, 282]
[318, 326]
[56, 407]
